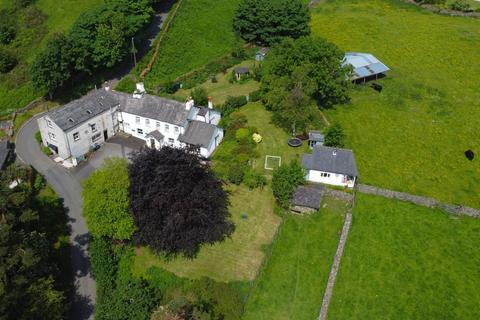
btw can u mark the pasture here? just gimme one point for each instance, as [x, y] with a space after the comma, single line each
[412, 136]
[403, 261]
[292, 283]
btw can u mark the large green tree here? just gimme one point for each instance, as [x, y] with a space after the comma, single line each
[53, 66]
[105, 205]
[299, 75]
[27, 286]
[266, 22]
[285, 180]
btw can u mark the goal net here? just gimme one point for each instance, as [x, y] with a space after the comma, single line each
[272, 162]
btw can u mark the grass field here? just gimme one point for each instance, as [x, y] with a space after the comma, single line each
[292, 284]
[408, 262]
[413, 135]
[237, 258]
[16, 89]
[274, 141]
[201, 32]
[220, 90]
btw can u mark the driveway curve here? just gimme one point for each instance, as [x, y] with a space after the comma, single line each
[68, 187]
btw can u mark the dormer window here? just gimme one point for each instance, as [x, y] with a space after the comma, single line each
[71, 120]
[89, 111]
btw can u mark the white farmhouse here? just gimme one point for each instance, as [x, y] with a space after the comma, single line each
[82, 125]
[333, 166]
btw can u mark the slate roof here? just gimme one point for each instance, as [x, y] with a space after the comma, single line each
[308, 197]
[154, 107]
[328, 159]
[316, 136]
[364, 64]
[4, 152]
[198, 133]
[79, 111]
[242, 70]
[157, 135]
[203, 111]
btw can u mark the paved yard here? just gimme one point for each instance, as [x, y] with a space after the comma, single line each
[117, 146]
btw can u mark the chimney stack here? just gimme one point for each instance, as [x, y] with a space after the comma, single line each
[189, 104]
[210, 103]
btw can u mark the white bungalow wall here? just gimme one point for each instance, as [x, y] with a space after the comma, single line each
[334, 179]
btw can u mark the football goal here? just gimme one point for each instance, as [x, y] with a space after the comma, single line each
[272, 162]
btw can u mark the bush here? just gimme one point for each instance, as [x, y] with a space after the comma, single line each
[7, 61]
[38, 137]
[7, 33]
[233, 103]
[285, 180]
[47, 151]
[242, 135]
[200, 96]
[254, 180]
[335, 136]
[255, 96]
[461, 5]
[236, 173]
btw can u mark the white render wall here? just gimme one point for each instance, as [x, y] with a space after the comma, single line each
[335, 179]
[131, 126]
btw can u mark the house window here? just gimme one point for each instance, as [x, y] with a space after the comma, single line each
[137, 120]
[96, 137]
[177, 129]
[76, 136]
[167, 128]
[140, 131]
[325, 175]
[147, 122]
[171, 141]
[158, 124]
[52, 136]
[94, 127]
[49, 123]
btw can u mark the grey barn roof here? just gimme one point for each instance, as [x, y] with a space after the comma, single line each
[198, 133]
[154, 107]
[242, 70]
[83, 109]
[316, 136]
[157, 135]
[309, 197]
[328, 159]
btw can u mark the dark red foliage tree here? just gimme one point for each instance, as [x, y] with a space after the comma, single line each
[177, 202]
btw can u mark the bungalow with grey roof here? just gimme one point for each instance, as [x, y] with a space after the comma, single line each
[333, 166]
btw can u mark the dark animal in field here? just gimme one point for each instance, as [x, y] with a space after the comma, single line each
[469, 154]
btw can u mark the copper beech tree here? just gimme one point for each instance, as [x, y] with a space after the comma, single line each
[176, 201]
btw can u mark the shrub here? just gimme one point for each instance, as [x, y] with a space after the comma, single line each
[253, 179]
[47, 151]
[285, 180]
[242, 135]
[38, 137]
[461, 5]
[236, 173]
[257, 138]
[335, 136]
[7, 61]
[255, 96]
[200, 96]
[233, 103]
[7, 33]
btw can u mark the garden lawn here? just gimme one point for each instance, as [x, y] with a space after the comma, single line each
[220, 90]
[408, 262]
[201, 32]
[16, 89]
[237, 258]
[292, 284]
[275, 140]
[412, 136]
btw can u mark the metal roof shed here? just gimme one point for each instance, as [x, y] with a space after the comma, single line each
[365, 65]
